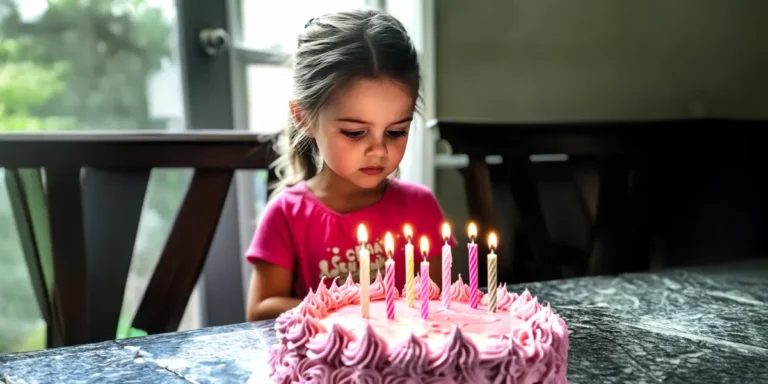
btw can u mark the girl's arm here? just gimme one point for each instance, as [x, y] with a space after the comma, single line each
[270, 292]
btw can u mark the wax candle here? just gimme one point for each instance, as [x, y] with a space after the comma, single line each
[492, 242]
[389, 276]
[424, 245]
[364, 258]
[472, 249]
[447, 265]
[409, 294]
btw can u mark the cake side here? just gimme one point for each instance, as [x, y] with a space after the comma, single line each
[324, 340]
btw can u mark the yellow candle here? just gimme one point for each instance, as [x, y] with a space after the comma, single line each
[492, 242]
[409, 293]
[364, 257]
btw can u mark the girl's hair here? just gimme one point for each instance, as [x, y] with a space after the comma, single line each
[333, 51]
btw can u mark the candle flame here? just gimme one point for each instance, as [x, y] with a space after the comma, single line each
[446, 231]
[408, 232]
[389, 244]
[362, 234]
[424, 245]
[472, 231]
[492, 241]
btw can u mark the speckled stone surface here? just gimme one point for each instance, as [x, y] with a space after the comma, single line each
[696, 326]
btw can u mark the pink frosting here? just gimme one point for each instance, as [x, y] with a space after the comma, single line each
[370, 351]
[377, 289]
[460, 291]
[350, 291]
[325, 296]
[324, 340]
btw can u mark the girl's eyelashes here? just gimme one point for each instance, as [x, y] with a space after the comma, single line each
[397, 133]
[357, 133]
[352, 134]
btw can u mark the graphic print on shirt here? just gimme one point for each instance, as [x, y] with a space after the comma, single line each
[343, 264]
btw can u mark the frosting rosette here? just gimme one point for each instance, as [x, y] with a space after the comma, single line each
[329, 347]
[376, 289]
[325, 297]
[410, 358]
[457, 352]
[369, 351]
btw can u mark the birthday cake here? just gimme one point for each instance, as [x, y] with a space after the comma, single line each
[326, 340]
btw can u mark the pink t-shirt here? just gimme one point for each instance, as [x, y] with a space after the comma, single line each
[299, 233]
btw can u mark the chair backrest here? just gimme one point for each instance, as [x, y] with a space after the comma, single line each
[77, 201]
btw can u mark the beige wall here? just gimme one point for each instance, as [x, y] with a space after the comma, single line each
[535, 60]
[528, 60]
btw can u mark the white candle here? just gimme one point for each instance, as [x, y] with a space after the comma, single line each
[364, 257]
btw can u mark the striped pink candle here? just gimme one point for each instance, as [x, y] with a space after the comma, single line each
[389, 276]
[389, 281]
[447, 265]
[424, 279]
[472, 248]
[424, 289]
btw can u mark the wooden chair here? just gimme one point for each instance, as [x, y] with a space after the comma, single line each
[77, 200]
[628, 204]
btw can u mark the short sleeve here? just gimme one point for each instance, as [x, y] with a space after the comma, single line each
[432, 222]
[272, 240]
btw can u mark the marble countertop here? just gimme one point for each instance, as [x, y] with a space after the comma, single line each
[708, 325]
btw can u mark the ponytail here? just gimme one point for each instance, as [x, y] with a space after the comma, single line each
[297, 159]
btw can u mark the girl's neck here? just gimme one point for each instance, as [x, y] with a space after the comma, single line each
[340, 195]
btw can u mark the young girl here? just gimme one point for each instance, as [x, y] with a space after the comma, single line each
[356, 83]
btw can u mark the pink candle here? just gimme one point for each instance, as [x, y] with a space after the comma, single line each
[447, 265]
[389, 276]
[424, 279]
[472, 248]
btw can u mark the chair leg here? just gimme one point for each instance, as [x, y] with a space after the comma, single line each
[69, 258]
[532, 223]
[185, 253]
[479, 190]
[27, 200]
[110, 239]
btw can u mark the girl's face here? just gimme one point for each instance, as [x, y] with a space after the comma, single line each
[362, 131]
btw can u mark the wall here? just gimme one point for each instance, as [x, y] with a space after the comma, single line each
[550, 60]
[601, 59]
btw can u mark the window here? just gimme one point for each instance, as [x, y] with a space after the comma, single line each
[88, 65]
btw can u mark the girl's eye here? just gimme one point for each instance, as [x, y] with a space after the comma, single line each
[353, 134]
[396, 134]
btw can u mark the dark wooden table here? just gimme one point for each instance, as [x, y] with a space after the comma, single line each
[705, 326]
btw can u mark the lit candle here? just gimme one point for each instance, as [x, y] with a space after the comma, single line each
[472, 248]
[389, 276]
[409, 266]
[447, 264]
[364, 257]
[424, 245]
[492, 242]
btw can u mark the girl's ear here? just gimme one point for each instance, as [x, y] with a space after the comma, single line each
[297, 114]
